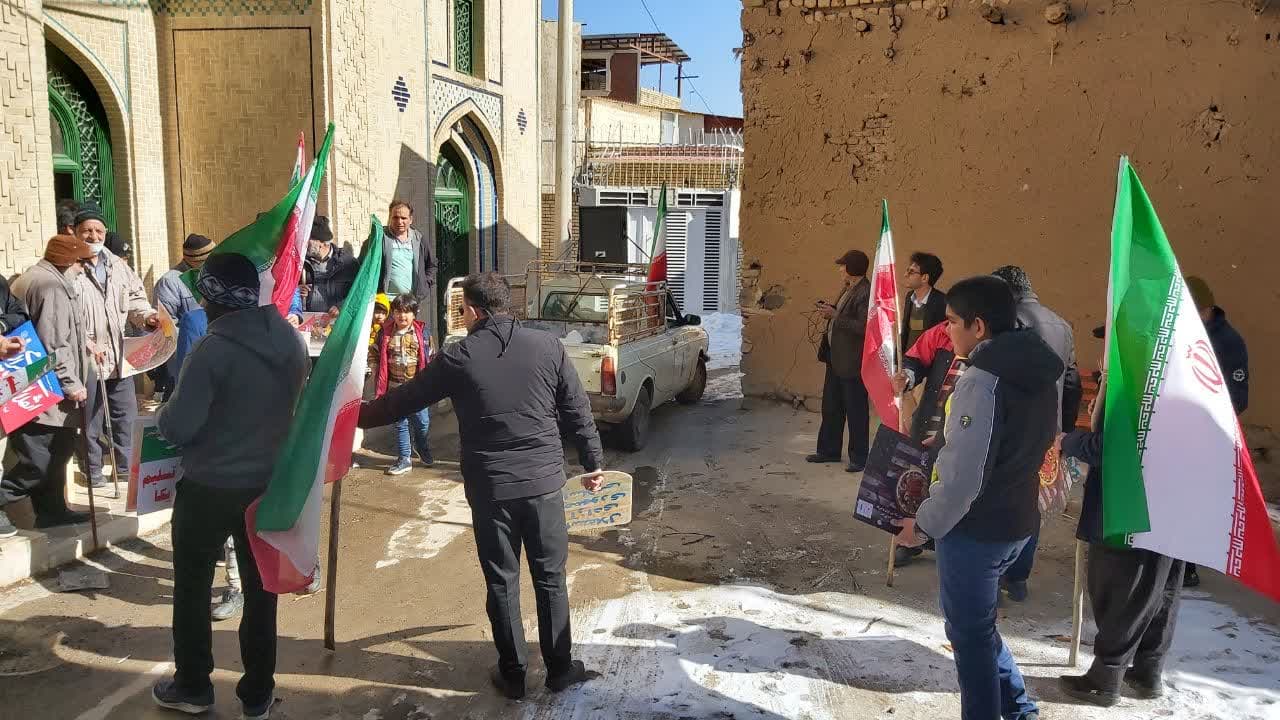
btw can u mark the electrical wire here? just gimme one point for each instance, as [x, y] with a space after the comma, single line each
[692, 87]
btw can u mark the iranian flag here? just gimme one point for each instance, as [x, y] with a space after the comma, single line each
[277, 239]
[300, 163]
[880, 347]
[658, 249]
[284, 524]
[1178, 476]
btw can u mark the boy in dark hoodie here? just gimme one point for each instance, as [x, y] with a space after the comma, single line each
[982, 507]
[229, 414]
[404, 347]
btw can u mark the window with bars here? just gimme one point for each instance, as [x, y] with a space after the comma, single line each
[464, 36]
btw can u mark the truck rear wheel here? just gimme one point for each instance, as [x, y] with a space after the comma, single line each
[697, 386]
[634, 433]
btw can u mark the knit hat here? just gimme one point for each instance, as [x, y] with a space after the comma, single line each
[1016, 277]
[64, 250]
[229, 280]
[1200, 292]
[381, 300]
[320, 229]
[196, 249]
[90, 211]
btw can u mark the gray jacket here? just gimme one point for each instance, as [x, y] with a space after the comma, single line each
[53, 301]
[234, 401]
[110, 306]
[174, 294]
[1051, 328]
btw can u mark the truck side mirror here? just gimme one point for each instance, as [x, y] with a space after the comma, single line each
[692, 320]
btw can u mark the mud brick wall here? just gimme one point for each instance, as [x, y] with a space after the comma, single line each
[994, 129]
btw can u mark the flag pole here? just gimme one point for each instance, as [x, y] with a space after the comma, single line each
[897, 365]
[330, 595]
[84, 448]
[1077, 606]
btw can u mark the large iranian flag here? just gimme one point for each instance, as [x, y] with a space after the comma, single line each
[1178, 478]
[880, 347]
[277, 239]
[284, 524]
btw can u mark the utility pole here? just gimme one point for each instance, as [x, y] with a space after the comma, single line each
[565, 113]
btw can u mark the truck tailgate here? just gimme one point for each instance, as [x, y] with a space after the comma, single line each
[586, 361]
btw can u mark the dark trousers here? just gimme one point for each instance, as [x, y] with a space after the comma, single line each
[1020, 570]
[121, 401]
[969, 570]
[537, 523]
[203, 518]
[844, 401]
[1134, 594]
[40, 472]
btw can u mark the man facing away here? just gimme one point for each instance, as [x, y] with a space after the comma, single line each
[229, 414]
[982, 507]
[926, 305]
[844, 397]
[177, 298]
[13, 314]
[513, 389]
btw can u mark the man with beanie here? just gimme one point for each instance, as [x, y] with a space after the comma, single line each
[844, 397]
[1233, 361]
[45, 445]
[328, 273]
[229, 414]
[177, 298]
[513, 390]
[113, 296]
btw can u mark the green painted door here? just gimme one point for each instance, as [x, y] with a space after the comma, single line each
[81, 138]
[453, 226]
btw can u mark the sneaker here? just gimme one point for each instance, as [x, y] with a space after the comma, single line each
[426, 460]
[903, 556]
[854, 467]
[1080, 687]
[1145, 685]
[231, 604]
[401, 467]
[7, 529]
[65, 518]
[511, 688]
[577, 673]
[1191, 579]
[819, 459]
[168, 695]
[1017, 590]
[312, 587]
[257, 712]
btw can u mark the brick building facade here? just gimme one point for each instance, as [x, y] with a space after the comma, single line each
[994, 130]
[196, 106]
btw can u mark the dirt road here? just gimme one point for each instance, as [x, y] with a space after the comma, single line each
[743, 589]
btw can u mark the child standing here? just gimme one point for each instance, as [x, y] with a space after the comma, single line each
[404, 347]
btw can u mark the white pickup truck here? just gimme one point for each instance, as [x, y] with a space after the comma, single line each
[627, 339]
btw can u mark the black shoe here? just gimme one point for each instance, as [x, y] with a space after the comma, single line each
[854, 467]
[1191, 579]
[512, 689]
[167, 694]
[7, 529]
[426, 460]
[906, 555]
[577, 673]
[821, 459]
[1017, 590]
[66, 518]
[1145, 685]
[1080, 687]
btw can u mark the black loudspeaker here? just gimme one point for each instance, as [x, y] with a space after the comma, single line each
[603, 235]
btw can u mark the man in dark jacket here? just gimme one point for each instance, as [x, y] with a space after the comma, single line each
[1233, 361]
[513, 389]
[13, 314]
[844, 397]
[328, 273]
[408, 259]
[229, 414]
[925, 305]
[982, 506]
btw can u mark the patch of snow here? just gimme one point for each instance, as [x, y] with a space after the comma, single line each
[723, 386]
[749, 652]
[443, 515]
[725, 331]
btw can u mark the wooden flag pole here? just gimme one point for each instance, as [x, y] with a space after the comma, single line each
[1077, 606]
[84, 448]
[331, 595]
[115, 466]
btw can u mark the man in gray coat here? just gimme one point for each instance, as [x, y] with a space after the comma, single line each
[45, 445]
[844, 397]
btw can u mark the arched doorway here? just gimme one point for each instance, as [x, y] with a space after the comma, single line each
[453, 223]
[80, 136]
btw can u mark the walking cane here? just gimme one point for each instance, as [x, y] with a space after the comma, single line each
[115, 466]
[84, 448]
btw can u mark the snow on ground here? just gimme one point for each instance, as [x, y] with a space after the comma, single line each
[725, 385]
[725, 330]
[749, 652]
[443, 515]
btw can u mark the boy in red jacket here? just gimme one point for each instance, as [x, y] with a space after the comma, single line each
[404, 347]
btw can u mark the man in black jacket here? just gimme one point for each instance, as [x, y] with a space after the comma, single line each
[844, 397]
[13, 314]
[982, 505]
[925, 305]
[513, 389]
[328, 273]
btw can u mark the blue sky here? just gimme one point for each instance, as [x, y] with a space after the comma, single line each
[707, 30]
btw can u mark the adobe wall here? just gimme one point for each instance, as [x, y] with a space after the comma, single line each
[999, 143]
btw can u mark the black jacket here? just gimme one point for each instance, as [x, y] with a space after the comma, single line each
[513, 389]
[1003, 416]
[841, 346]
[330, 286]
[13, 313]
[1233, 357]
[933, 312]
